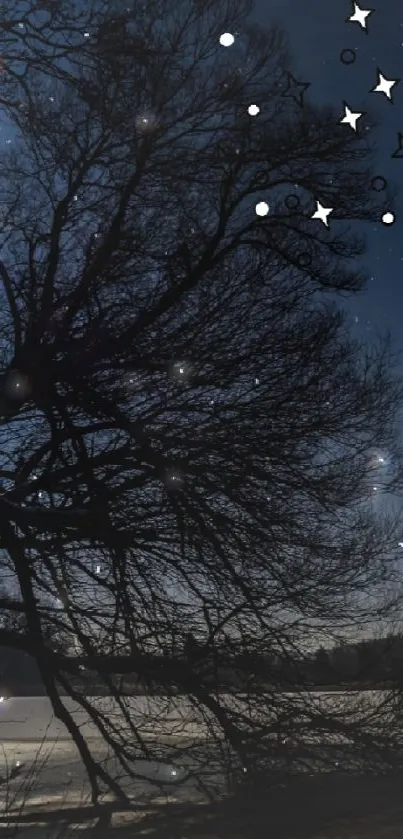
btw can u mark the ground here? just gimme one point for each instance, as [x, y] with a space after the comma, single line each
[336, 809]
[49, 781]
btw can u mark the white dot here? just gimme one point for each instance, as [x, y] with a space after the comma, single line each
[388, 218]
[262, 208]
[226, 39]
[146, 121]
[253, 110]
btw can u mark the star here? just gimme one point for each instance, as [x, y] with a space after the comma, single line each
[322, 213]
[360, 16]
[350, 118]
[384, 85]
[399, 151]
[292, 89]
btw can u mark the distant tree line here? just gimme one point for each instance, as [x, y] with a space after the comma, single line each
[372, 661]
[368, 663]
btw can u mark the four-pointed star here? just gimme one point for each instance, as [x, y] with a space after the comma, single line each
[322, 213]
[350, 118]
[295, 89]
[384, 85]
[360, 16]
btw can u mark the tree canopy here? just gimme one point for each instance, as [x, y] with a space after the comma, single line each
[187, 419]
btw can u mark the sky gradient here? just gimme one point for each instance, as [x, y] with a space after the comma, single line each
[318, 33]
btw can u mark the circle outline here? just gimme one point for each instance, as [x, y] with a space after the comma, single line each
[379, 178]
[301, 256]
[352, 52]
[294, 198]
[262, 178]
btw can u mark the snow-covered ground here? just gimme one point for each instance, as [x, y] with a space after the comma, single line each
[40, 762]
[43, 779]
[57, 768]
[31, 718]
[45, 771]
[349, 808]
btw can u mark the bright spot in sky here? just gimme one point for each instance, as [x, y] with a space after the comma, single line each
[400, 544]
[375, 488]
[98, 569]
[131, 380]
[146, 121]
[173, 478]
[377, 458]
[17, 384]
[226, 39]
[388, 218]
[262, 208]
[253, 110]
[180, 370]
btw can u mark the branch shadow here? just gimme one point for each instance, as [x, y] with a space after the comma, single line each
[303, 808]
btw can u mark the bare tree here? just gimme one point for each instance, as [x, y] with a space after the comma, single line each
[187, 420]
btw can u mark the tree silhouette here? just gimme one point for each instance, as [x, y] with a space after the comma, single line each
[186, 416]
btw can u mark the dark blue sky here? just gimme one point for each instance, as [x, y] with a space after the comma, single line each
[318, 33]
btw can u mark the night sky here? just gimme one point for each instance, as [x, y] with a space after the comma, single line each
[318, 34]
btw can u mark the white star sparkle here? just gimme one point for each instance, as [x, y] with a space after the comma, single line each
[322, 213]
[360, 15]
[384, 85]
[350, 118]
